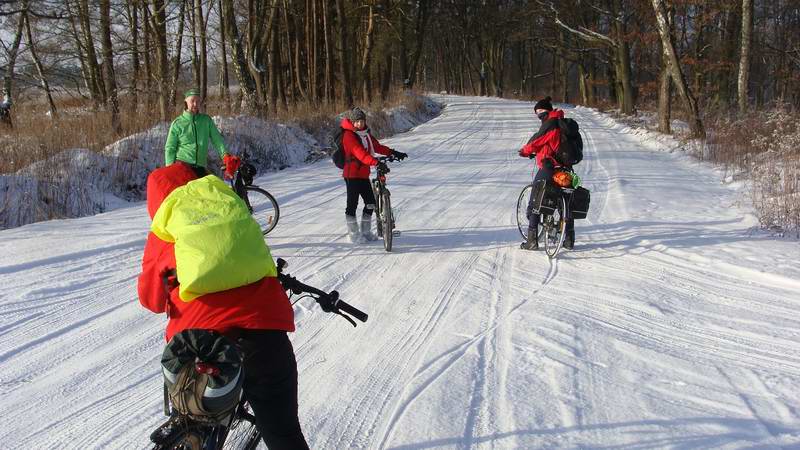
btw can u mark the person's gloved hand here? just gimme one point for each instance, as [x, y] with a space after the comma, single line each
[382, 167]
[232, 163]
[399, 155]
[521, 155]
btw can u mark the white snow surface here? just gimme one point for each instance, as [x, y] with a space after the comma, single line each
[673, 324]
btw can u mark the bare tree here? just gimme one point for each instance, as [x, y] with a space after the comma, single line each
[39, 67]
[8, 79]
[108, 65]
[744, 60]
[676, 73]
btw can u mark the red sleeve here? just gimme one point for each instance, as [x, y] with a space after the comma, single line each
[159, 256]
[352, 145]
[380, 148]
[540, 143]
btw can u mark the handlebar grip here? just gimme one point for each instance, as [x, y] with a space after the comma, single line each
[353, 311]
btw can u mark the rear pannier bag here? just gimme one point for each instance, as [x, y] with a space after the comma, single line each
[545, 197]
[205, 397]
[580, 203]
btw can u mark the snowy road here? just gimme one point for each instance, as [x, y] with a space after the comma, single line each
[673, 324]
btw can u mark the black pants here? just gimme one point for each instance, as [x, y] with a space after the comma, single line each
[545, 173]
[359, 187]
[270, 386]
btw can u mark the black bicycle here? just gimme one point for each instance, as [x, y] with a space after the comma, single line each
[262, 204]
[554, 205]
[239, 431]
[383, 204]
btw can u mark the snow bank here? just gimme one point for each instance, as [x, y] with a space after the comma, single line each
[80, 182]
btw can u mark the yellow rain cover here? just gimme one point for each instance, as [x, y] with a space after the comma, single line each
[218, 244]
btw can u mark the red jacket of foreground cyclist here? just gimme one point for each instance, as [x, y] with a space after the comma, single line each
[359, 148]
[262, 305]
[544, 144]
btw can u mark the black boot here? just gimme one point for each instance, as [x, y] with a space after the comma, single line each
[532, 243]
[569, 239]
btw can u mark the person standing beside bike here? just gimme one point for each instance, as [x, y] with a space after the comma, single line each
[189, 136]
[257, 315]
[543, 146]
[360, 149]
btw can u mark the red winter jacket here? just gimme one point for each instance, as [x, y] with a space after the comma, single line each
[357, 159]
[544, 144]
[261, 305]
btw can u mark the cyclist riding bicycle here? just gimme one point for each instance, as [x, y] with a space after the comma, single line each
[189, 136]
[543, 146]
[252, 311]
[360, 149]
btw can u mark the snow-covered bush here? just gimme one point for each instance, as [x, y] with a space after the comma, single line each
[80, 182]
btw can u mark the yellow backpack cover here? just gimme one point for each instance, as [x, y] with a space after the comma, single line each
[218, 244]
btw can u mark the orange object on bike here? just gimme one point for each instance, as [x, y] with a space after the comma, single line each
[562, 179]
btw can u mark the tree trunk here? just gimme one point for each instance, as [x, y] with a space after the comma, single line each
[133, 22]
[176, 59]
[224, 82]
[200, 31]
[8, 80]
[246, 82]
[421, 24]
[109, 78]
[664, 99]
[744, 60]
[695, 123]
[158, 19]
[366, 57]
[98, 89]
[623, 71]
[38, 62]
[344, 60]
[327, 18]
[148, 62]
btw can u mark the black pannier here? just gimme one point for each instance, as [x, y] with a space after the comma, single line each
[580, 203]
[545, 197]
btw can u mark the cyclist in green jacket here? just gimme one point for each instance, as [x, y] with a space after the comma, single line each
[189, 135]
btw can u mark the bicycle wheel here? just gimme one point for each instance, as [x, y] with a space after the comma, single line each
[242, 434]
[554, 229]
[387, 220]
[522, 210]
[263, 207]
[378, 208]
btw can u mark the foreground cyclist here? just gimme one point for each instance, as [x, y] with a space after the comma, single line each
[360, 149]
[256, 314]
[543, 145]
[190, 134]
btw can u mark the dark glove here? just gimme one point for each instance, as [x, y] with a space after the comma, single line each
[399, 155]
[382, 167]
[231, 164]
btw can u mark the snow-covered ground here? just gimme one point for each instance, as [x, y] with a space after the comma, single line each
[673, 324]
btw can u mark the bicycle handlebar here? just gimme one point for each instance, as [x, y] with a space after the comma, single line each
[330, 302]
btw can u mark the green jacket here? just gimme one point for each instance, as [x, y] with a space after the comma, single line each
[188, 139]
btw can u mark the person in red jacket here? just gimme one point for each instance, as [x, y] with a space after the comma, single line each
[360, 151]
[543, 146]
[257, 316]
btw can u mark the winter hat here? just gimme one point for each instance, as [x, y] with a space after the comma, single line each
[357, 114]
[544, 104]
[191, 92]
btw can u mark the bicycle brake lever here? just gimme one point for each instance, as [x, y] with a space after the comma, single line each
[352, 322]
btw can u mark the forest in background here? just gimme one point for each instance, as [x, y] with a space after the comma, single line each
[83, 73]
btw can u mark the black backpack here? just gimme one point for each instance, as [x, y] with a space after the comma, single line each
[338, 152]
[570, 151]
